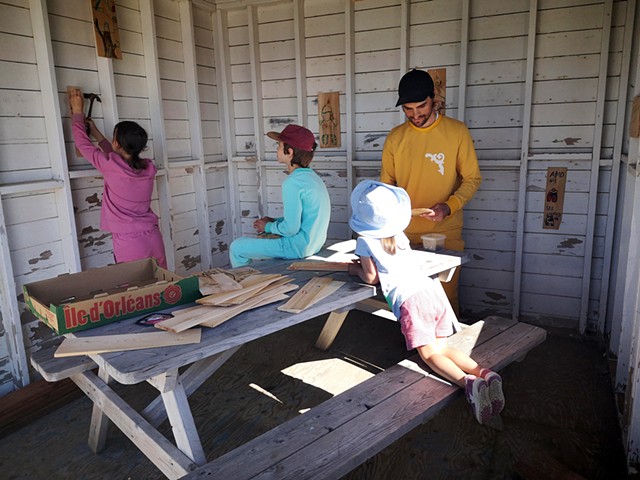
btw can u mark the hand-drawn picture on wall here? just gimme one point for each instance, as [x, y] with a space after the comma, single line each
[105, 25]
[439, 77]
[554, 197]
[329, 119]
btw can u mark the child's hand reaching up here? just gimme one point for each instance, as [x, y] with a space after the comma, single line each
[76, 101]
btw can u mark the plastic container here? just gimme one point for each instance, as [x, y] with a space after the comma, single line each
[433, 241]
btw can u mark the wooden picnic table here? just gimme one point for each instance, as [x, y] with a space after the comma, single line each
[159, 366]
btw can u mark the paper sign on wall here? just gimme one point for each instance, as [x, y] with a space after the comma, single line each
[329, 119]
[105, 26]
[439, 77]
[554, 197]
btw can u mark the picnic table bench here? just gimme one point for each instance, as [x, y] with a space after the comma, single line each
[341, 433]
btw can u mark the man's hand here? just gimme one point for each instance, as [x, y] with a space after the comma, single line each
[261, 223]
[76, 101]
[437, 213]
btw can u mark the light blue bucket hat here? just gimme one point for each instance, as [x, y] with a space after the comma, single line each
[379, 210]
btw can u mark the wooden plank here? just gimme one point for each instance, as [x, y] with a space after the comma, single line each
[330, 330]
[212, 316]
[265, 289]
[320, 266]
[250, 285]
[275, 295]
[315, 290]
[115, 343]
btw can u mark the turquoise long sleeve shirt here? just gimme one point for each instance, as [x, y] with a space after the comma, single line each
[306, 214]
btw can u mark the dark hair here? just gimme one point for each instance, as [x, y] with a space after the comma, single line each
[300, 157]
[132, 138]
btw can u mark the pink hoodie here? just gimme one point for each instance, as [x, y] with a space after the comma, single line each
[126, 201]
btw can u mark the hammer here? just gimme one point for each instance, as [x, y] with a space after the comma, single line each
[91, 97]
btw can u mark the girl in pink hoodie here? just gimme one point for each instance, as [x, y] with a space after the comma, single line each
[128, 185]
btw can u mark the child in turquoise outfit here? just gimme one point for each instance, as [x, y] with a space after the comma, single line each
[306, 212]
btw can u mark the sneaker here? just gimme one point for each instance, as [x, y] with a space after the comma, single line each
[496, 396]
[477, 392]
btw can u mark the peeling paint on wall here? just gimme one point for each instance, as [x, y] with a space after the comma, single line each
[218, 227]
[249, 146]
[92, 241]
[568, 140]
[88, 230]
[496, 298]
[190, 262]
[477, 257]
[94, 199]
[570, 243]
[245, 213]
[222, 247]
[370, 138]
[196, 231]
[46, 255]
[278, 122]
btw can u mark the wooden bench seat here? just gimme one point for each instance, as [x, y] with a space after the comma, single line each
[341, 433]
[53, 369]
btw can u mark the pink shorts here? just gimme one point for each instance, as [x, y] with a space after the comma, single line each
[425, 316]
[137, 245]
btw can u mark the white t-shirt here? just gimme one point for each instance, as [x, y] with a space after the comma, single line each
[400, 274]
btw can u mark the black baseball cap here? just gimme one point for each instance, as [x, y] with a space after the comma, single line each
[415, 86]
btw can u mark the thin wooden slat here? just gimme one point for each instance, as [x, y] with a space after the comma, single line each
[114, 343]
[246, 296]
[320, 266]
[259, 301]
[251, 284]
[212, 316]
[315, 290]
[217, 283]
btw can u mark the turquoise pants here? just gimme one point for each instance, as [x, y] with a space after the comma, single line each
[243, 250]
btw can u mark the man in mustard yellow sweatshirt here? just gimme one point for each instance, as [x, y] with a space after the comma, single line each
[432, 157]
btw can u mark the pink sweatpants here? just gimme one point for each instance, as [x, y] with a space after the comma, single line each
[137, 245]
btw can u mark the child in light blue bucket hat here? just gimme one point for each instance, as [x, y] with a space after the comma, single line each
[381, 212]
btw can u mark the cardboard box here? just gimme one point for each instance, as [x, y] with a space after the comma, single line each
[84, 300]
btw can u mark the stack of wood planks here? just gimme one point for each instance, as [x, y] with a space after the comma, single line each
[230, 298]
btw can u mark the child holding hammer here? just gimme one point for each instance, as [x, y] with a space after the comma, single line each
[128, 184]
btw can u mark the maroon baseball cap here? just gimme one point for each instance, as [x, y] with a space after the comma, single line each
[296, 136]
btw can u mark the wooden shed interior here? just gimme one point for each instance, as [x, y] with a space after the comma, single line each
[541, 84]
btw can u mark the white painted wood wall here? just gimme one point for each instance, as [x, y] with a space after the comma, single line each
[540, 83]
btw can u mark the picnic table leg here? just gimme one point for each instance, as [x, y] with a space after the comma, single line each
[331, 329]
[191, 380]
[180, 416]
[99, 421]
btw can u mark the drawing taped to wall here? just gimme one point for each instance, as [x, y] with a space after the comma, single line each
[329, 119]
[554, 197]
[105, 24]
[439, 76]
